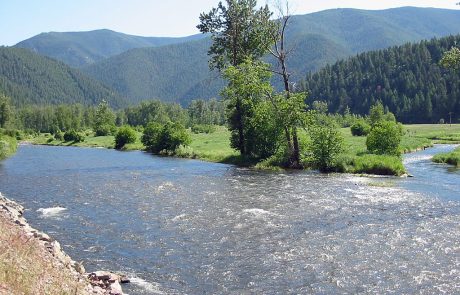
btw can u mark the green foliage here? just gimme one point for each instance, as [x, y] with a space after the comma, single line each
[5, 110]
[247, 88]
[204, 112]
[155, 111]
[452, 158]
[59, 136]
[8, 146]
[451, 59]
[408, 80]
[264, 132]
[28, 78]
[167, 137]
[384, 138]
[201, 128]
[376, 114]
[238, 31]
[325, 146]
[53, 118]
[73, 136]
[104, 121]
[125, 134]
[360, 128]
[378, 164]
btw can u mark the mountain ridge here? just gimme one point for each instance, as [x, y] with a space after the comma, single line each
[78, 49]
[179, 72]
[29, 78]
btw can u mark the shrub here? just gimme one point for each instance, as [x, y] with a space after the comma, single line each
[125, 135]
[360, 128]
[59, 135]
[384, 138]
[168, 137]
[203, 128]
[74, 136]
[325, 146]
[378, 164]
[104, 130]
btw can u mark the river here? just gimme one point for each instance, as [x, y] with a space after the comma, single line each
[178, 226]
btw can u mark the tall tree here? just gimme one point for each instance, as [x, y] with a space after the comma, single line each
[5, 110]
[294, 109]
[451, 59]
[104, 121]
[239, 31]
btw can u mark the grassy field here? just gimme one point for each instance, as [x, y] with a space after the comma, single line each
[215, 147]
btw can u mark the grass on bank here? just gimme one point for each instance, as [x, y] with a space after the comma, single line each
[215, 147]
[8, 146]
[452, 158]
[27, 268]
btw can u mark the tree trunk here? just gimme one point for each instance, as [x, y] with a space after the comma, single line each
[241, 141]
[295, 155]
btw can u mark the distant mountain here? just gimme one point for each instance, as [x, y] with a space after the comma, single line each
[169, 72]
[407, 79]
[29, 78]
[179, 72]
[82, 48]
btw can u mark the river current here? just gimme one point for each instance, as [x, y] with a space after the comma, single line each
[189, 227]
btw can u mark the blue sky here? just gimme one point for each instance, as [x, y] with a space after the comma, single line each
[22, 19]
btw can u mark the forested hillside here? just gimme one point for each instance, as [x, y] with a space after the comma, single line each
[28, 78]
[82, 48]
[407, 79]
[179, 72]
[170, 73]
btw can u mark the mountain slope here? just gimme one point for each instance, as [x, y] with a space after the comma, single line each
[407, 79]
[179, 72]
[29, 78]
[82, 48]
[168, 72]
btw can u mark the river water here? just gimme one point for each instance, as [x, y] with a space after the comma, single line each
[190, 227]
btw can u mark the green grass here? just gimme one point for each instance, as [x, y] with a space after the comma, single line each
[438, 133]
[452, 158]
[215, 147]
[8, 146]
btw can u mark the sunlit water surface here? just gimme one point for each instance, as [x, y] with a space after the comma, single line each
[190, 227]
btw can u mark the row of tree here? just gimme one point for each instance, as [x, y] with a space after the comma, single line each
[103, 118]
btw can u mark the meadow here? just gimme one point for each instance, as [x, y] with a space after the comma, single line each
[215, 147]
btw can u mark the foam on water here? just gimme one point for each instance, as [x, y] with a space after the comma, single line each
[52, 212]
[152, 288]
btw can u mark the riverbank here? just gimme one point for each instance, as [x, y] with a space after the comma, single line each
[452, 158]
[8, 146]
[215, 147]
[31, 262]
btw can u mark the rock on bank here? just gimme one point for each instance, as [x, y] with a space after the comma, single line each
[31, 262]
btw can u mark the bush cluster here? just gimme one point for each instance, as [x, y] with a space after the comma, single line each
[384, 138]
[165, 138]
[360, 128]
[125, 135]
[74, 136]
[203, 128]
